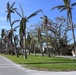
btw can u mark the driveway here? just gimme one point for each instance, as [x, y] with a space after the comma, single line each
[8, 67]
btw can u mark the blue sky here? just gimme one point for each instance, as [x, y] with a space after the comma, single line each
[30, 6]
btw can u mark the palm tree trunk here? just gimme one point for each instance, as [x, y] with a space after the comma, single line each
[72, 27]
[46, 32]
[16, 52]
[11, 38]
[25, 53]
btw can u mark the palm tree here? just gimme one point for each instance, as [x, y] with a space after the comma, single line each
[9, 11]
[45, 19]
[68, 7]
[22, 30]
[14, 36]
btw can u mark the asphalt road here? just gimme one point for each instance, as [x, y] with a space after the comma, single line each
[8, 67]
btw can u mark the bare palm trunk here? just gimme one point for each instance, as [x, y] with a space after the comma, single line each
[25, 53]
[11, 40]
[46, 32]
[72, 31]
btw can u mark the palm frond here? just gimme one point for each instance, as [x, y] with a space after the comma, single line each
[16, 27]
[14, 22]
[9, 11]
[8, 5]
[18, 13]
[13, 4]
[34, 14]
[63, 9]
[73, 4]
[14, 9]
[21, 10]
[58, 7]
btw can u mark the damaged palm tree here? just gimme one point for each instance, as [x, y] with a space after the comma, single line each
[45, 22]
[22, 30]
[9, 11]
[68, 7]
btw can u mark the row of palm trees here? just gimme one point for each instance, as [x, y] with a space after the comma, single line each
[23, 23]
[22, 26]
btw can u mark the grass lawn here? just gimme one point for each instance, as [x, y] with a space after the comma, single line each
[45, 63]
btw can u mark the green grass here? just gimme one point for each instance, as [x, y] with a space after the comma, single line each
[45, 63]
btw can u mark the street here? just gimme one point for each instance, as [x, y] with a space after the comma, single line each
[8, 67]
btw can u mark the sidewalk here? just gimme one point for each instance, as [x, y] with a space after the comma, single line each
[8, 67]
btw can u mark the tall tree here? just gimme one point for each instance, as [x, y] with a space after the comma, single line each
[45, 22]
[68, 7]
[22, 30]
[10, 10]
